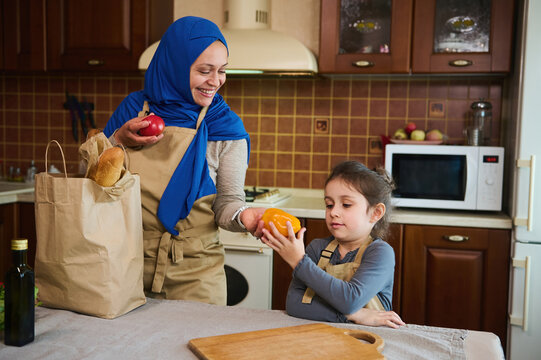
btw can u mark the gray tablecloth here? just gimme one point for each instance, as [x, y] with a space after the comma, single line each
[161, 329]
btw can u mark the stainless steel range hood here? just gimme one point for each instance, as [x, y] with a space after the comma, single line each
[255, 49]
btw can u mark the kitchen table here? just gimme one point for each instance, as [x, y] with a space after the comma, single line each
[161, 329]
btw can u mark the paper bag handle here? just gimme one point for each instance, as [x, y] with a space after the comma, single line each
[61, 152]
[126, 157]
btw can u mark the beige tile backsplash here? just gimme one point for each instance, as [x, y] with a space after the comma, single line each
[288, 149]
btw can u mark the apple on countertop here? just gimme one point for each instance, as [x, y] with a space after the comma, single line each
[411, 132]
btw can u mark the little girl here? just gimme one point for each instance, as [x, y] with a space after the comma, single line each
[348, 276]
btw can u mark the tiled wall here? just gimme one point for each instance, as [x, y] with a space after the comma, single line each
[280, 115]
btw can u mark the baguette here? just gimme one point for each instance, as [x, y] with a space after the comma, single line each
[92, 132]
[109, 167]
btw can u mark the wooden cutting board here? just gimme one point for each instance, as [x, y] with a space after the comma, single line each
[312, 341]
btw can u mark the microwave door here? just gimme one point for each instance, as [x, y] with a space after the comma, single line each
[434, 180]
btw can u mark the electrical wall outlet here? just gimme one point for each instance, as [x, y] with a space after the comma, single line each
[321, 126]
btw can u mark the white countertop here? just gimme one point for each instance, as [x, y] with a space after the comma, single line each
[308, 203]
[11, 192]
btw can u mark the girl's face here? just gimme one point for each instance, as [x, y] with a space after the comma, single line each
[347, 214]
[207, 73]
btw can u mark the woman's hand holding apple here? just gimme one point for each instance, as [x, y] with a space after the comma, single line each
[128, 135]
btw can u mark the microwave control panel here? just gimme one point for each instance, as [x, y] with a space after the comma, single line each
[490, 178]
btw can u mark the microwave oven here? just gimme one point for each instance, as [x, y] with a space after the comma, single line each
[446, 176]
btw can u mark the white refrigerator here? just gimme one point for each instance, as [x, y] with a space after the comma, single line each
[524, 331]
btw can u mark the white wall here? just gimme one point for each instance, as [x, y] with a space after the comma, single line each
[298, 18]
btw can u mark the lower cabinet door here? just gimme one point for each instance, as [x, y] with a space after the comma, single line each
[456, 277]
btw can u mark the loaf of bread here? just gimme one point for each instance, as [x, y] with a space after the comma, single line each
[92, 132]
[109, 167]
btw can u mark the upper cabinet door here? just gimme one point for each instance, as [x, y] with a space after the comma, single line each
[96, 35]
[462, 36]
[365, 36]
[22, 39]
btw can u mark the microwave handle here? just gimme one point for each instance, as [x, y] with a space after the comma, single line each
[528, 222]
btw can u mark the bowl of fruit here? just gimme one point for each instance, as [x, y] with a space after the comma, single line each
[410, 134]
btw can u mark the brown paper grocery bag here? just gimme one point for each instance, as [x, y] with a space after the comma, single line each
[89, 255]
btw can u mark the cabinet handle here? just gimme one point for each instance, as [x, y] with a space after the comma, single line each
[456, 238]
[460, 63]
[523, 321]
[363, 63]
[528, 222]
[95, 62]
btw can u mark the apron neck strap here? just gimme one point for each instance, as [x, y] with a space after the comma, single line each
[361, 250]
[326, 254]
[145, 111]
[202, 114]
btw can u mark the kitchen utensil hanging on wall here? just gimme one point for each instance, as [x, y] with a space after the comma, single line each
[78, 109]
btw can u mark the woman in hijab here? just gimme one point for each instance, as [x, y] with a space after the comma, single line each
[192, 175]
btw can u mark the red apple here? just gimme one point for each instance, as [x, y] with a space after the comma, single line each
[155, 128]
[410, 127]
[434, 135]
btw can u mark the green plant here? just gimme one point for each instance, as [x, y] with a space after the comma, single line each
[2, 294]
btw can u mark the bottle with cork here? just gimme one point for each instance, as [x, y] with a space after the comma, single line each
[19, 297]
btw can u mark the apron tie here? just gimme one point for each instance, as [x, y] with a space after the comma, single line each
[161, 262]
[177, 252]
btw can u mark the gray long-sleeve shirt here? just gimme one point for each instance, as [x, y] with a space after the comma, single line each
[336, 298]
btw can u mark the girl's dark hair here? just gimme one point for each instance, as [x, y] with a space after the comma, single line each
[375, 185]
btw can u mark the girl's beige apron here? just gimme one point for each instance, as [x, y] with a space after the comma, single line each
[342, 271]
[189, 266]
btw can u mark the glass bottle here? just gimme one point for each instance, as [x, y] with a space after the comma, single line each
[31, 173]
[19, 297]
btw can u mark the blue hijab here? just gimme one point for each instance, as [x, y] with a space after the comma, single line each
[167, 90]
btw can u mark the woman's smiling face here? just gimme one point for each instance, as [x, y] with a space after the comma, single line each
[207, 73]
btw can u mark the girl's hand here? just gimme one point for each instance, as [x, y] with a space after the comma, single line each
[291, 249]
[251, 219]
[376, 318]
[128, 134]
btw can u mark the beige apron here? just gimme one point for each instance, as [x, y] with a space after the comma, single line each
[342, 271]
[189, 266]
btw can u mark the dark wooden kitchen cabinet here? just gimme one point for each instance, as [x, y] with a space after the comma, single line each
[2, 35]
[365, 37]
[462, 36]
[23, 27]
[317, 228]
[421, 36]
[17, 220]
[282, 272]
[394, 238]
[7, 232]
[102, 34]
[81, 35]
[456, 277]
